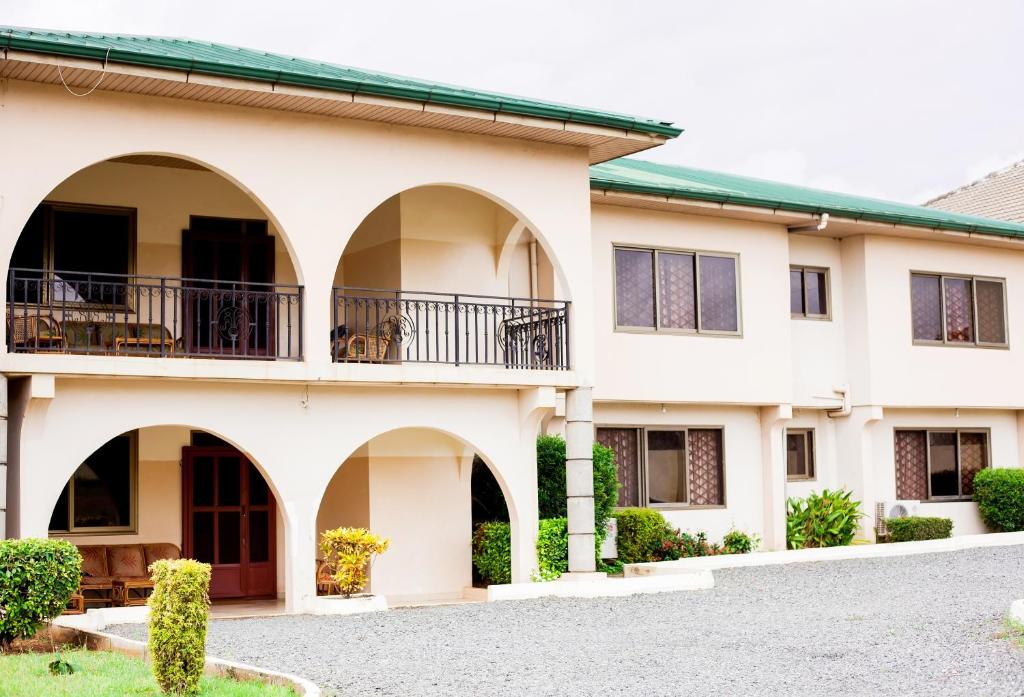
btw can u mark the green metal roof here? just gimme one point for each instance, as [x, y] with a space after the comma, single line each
[639, 176]
[231, 61]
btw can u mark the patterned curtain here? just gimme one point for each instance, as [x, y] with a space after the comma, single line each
[718, 304]
[973, 459]
[623, 441]
[991, 319]
[926, 310]
[959, 310]
[634, 288]
[677, 291]
[911, 465]
[706, 476]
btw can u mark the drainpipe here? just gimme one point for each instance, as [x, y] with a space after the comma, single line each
[847, 408]
[814, 227]
[534, 294]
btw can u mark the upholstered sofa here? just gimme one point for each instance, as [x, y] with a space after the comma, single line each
[105, 565]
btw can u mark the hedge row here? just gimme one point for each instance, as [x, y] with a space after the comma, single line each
[918, 528]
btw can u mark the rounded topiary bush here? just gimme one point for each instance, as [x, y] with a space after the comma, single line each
[37, 578]
[999, 494]
[179, 610]
[641, 533]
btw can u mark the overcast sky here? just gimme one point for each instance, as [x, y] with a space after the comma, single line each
[902, 99]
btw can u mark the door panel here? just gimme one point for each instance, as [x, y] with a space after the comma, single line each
[229, 522]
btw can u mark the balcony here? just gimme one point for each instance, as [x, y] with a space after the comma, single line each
[153, 316]
[399, 326]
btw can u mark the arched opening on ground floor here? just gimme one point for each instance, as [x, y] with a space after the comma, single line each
[167, 491]
[415, 486]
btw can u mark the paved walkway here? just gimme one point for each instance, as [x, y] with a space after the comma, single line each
[922, 625]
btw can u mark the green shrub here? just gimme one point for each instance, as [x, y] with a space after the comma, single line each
[918, 528]
[1000, 497]
[37, 578]
[179, 608]
[739, 542]
[641, 534]
[828, 519]
[552, 548]
[492, 552]
[682, 545]
[349, 552]
[551, 481]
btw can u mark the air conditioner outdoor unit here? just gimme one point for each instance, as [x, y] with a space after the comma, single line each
[901, 508]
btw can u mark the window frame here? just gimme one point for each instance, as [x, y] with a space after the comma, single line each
[657, 328]
[804, 269]
[47, 262]
[642, 465]
[133, 499]
[974, 311]
[928, 457]
[810, 455]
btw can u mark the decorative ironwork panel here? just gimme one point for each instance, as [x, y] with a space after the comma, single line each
[991, 315]
[707, 483]
[973, 459]
[718, 302]
[624, 443]
[911, 450]
[926, 307]
[634, 288]
[959, 310]
[677, 291]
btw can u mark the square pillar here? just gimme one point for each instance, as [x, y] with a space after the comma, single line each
[579, 479]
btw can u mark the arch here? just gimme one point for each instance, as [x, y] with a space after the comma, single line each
[29, 202]
[506, 491]
[516, 211]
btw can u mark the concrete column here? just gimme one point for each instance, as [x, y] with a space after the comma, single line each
[300, 554]
[773, 468]
[579, 479]
[857, 464]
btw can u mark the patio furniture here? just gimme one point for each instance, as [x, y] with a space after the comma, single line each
[145, 338]
[34, 330]
[76, 604]
[111, 572]
[325, 583]
[371, 348]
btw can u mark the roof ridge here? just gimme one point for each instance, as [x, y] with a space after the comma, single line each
[980, 180]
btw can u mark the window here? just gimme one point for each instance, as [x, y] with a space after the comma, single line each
[939, 463]
[100, 496]
[958, 310]
[799, 453]
[662, 290]
[666, 466]
[808, 292]
[70, 244]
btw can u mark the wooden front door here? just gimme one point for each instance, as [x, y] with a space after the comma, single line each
[229, 522]
[227, 308]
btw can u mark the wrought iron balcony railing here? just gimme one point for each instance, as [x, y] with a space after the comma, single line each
[114, 314]
[400, 326]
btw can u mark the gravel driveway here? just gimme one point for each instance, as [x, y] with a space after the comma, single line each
[917, 625]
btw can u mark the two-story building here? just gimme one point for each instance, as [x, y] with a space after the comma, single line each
[250, 297]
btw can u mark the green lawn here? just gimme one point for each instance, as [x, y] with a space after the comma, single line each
[105, 674]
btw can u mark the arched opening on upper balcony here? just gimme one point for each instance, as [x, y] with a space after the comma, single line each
[444, 274]
[153, 255]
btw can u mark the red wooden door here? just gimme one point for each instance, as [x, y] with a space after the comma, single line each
[229, 522]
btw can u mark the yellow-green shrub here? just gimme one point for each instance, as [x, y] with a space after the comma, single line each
[37, 577]
[179, 608]
[349, 552]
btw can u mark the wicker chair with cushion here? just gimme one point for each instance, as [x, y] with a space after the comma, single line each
[325, 583]
[34, 330]
[96, 583]
[119, 574]
[367, 348]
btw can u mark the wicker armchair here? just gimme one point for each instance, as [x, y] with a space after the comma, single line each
[36, 331]
[367, 347]
[325, 583]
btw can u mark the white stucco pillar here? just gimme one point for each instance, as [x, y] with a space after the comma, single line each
[857, 463]
[773, 470]
[300, 553]
[3, 457]
[579, 479]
